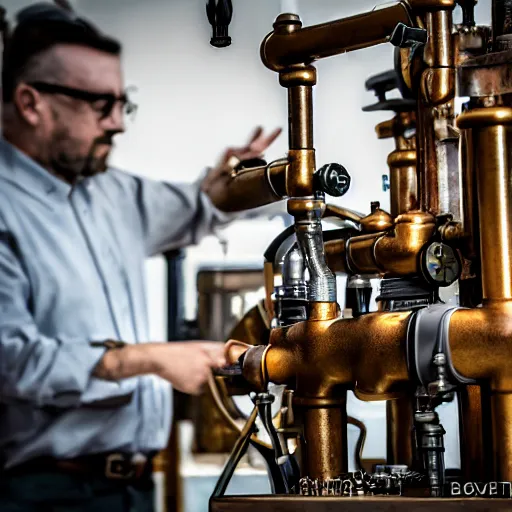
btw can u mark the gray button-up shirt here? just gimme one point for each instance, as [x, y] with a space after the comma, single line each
[71, 272]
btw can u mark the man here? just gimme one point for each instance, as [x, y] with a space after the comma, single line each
[84, 397]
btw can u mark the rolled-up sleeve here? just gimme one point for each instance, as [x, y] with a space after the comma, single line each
[176, 215]
[44, 371]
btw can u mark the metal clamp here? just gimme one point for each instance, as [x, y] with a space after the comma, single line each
[427, 337]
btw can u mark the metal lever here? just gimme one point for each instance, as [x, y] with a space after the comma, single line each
[276, 469]
[286, 463]
[408, 37]
[237, 453]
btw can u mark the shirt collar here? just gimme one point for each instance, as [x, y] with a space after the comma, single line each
[25, 173]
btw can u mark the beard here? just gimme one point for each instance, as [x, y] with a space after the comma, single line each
[68, 160]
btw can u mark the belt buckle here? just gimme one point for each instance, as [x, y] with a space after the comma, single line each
[118, 467]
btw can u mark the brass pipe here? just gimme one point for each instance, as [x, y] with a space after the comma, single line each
[473, 453]
[401, 162]
[439, 52]
[332, 210]
[470, 284]
[501, 407]
[481, 344]
[335, 256]
[394, 253]
[301, 155]
[250, 188]
[399, 431]
[491, 140]
[428, 186]
[403, 181]
[326, 454]
[317, 357]
[300, 102]
[289, 44]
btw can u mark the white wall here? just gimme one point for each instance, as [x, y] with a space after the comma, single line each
[195, 99]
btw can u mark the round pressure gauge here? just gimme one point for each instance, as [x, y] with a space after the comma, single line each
[441, 264]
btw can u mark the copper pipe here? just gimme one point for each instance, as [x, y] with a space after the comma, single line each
[403, 180]
[335, 256]
[394, 253]
[473, 450]
[439, 52]
[289, 44]
[480, 344]
[326, 454]
[470, 222]
[300, 104]
[268, 275]
[438, 80]
[300, 82]
[366, 351]
[470, 283]
[250, 188]
[399, 431]
[332, 210]
[491, 138]
[501, 406]
[402, 162]
[428, 186]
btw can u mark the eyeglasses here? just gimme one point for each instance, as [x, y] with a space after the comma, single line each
[103, 103]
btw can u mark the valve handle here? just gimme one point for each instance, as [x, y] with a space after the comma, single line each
[332, 179]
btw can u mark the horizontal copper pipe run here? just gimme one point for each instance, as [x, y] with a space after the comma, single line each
[289, 45]
[370, 351]
[250, 188]
[319, 357]
[394, 253]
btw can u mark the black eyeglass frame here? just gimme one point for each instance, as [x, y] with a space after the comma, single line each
[90, 97]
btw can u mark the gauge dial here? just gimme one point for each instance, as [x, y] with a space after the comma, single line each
[441, 264]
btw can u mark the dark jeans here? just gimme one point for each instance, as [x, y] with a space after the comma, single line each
[58, 492]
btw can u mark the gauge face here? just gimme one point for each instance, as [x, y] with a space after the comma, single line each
[441, 264]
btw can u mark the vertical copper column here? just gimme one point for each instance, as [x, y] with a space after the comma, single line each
[403, 179]
[474, 425]
[428, 185]
[399, 431]
[300, 82]
[325, 429]
[501, 404]
[492, 142]
[437, 91]
[494, 185]
[402, 162]
[475, 437]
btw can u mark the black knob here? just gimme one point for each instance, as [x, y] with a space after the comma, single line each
[219, 14]
[383, 83]
[332, 179]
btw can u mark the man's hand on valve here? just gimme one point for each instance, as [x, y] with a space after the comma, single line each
[232, 156]
[186, 365]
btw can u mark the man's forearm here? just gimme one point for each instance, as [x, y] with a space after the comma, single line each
[126, 362]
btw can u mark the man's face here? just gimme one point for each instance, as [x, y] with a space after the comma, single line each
[77, 133]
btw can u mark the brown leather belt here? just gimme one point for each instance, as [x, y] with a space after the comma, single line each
[113, 466]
